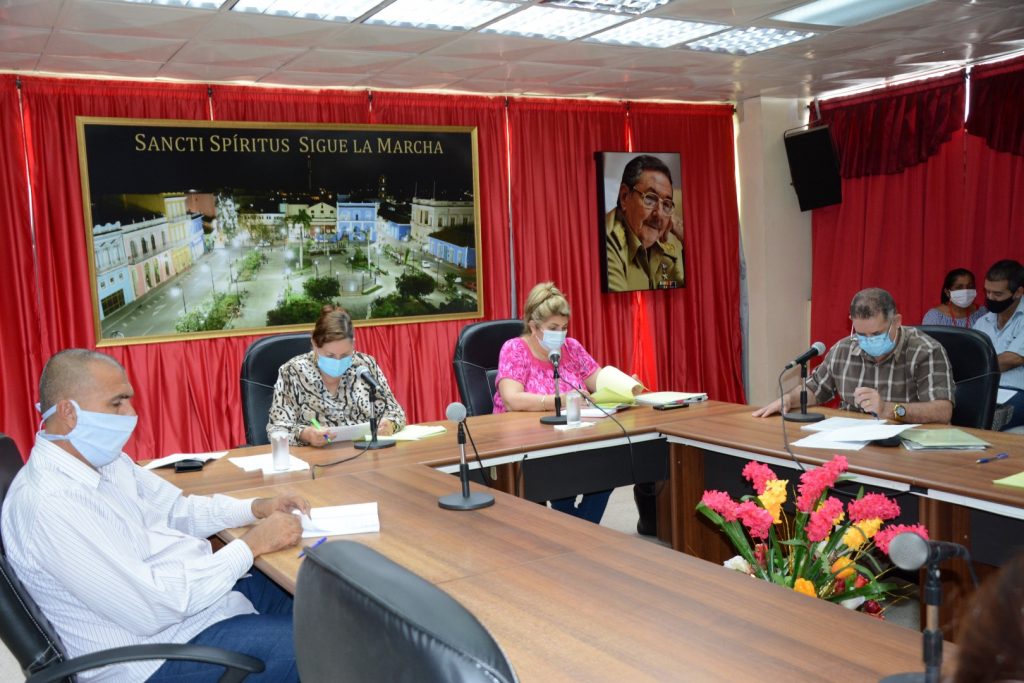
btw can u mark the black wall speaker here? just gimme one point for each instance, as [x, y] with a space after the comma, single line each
[814, 167]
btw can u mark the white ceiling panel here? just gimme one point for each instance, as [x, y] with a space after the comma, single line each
[133, 40]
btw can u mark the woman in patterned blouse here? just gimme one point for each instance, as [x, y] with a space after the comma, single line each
[525, 378]
[322, 386]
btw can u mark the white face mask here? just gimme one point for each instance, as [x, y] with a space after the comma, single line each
[99, 437]
[552, 340]
[963, 298]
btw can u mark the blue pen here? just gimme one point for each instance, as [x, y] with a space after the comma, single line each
[1001, 456]
[303, 553]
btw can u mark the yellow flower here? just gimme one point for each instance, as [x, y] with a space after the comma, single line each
[857, 534]
[773, 497]
[843, 568]
[804, 586]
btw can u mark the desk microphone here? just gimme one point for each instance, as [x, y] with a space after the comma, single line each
[364, 374]
[374, 443]
[803, 416]
[555, 356]
[464, 500]
[817, 348]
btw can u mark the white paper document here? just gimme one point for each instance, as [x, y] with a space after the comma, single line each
[178, 457]
[414, 433]
[348, 432]
[825, 440]
[658, 398]
[597, 412]
[339, 520]
[265, 462]
[839, 422]
[868, 432]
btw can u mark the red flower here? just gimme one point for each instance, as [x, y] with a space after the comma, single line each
[761, 554]
[814, 482]
[757, 520]
[823, 519]
[759, 474]
[885, 536]
[871, 506]
[720, 502]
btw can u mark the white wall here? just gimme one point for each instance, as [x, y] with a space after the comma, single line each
[776, 245]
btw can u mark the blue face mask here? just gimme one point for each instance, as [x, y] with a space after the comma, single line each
[99, 437]
[876, 345]
[552, 340]
[333, 367]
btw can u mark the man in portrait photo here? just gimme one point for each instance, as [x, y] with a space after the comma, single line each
[643, 232]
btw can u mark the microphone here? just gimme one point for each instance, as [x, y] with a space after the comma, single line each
[364, 374]
[465, 499]
[910, 551]
[555, 356]
[817, 348]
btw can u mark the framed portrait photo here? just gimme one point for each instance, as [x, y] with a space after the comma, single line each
[640, 221]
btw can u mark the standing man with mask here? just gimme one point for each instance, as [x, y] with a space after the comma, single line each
[1004, 324]
[114, 555]
[643, 241]
[882, 368]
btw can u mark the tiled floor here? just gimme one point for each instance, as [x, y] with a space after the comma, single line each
[620, 515]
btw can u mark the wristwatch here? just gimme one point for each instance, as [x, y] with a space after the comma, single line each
[899, 411]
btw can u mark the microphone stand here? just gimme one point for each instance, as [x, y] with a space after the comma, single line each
[374, 443]
[557, 418]
[465, 500]
[932, 634]
[803, 415]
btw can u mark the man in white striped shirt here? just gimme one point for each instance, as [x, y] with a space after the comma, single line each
[114, 555]
[884, 369]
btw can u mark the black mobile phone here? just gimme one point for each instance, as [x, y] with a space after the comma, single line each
[671, 406]
[190, 465]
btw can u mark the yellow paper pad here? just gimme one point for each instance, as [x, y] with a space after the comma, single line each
[943, 438]
[415, 432]
[615, 387]
[1012, 480]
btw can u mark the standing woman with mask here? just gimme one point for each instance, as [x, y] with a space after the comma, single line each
[525, 378]
[322, 387]
[956, 307]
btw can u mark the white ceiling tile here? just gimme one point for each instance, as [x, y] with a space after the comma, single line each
[610, 78]
[441, 67]
[213, 72]
[71, 44]
[38, 13]
[23, 39]
[215, 53]
[257, 29]
[315, 79]
[346, 61]
[732, 12]
[15, 61]
[528, 72]
[390, 39]
[120, 18]
[133, 68]
[494, 46]
[386, 81]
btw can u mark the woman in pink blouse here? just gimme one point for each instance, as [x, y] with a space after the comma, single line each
[525, 378]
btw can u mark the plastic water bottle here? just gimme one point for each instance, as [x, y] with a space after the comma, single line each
[279, 448]
[574, 401]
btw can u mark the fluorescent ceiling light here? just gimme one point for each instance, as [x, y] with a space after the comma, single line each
[443, 14]
[650, 32]
[194, 4]
[845, 12]
[617, 6]
[331, 10]
[747, 41]
[553, 22]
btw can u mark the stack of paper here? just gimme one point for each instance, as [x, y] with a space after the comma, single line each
[848, 434]
[339, 520]
[348, 432]
[658, 398]
[615, 388]
[941, 440]
[1016, 480]
[265, 462]
[178, 457]
[414, 433]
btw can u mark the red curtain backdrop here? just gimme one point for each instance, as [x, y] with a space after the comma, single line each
[997, 105]
[20, 335]
[699, 345]
[187, 392]
[901, 230]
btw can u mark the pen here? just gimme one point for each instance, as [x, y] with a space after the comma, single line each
[316, 425]
[1001, 456]
[303, 553]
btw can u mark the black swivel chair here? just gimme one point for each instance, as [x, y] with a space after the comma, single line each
[476, 361]
[361, 617]
[263, 359]
[975, 373]
[34, 643]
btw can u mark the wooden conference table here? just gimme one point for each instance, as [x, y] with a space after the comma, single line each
[569, 600]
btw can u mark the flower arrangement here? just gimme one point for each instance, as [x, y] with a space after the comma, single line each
[825, 550]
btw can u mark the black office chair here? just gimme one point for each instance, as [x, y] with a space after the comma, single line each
[34, 643]
[361, 617]
[263, 359]
[476, 361]
[975, 373]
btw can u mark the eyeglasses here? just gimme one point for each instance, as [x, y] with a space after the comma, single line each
[652, 200]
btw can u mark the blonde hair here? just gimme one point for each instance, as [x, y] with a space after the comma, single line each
[333, 324]
[544, 301]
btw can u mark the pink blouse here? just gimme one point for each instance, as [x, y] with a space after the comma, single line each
[517, 362]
